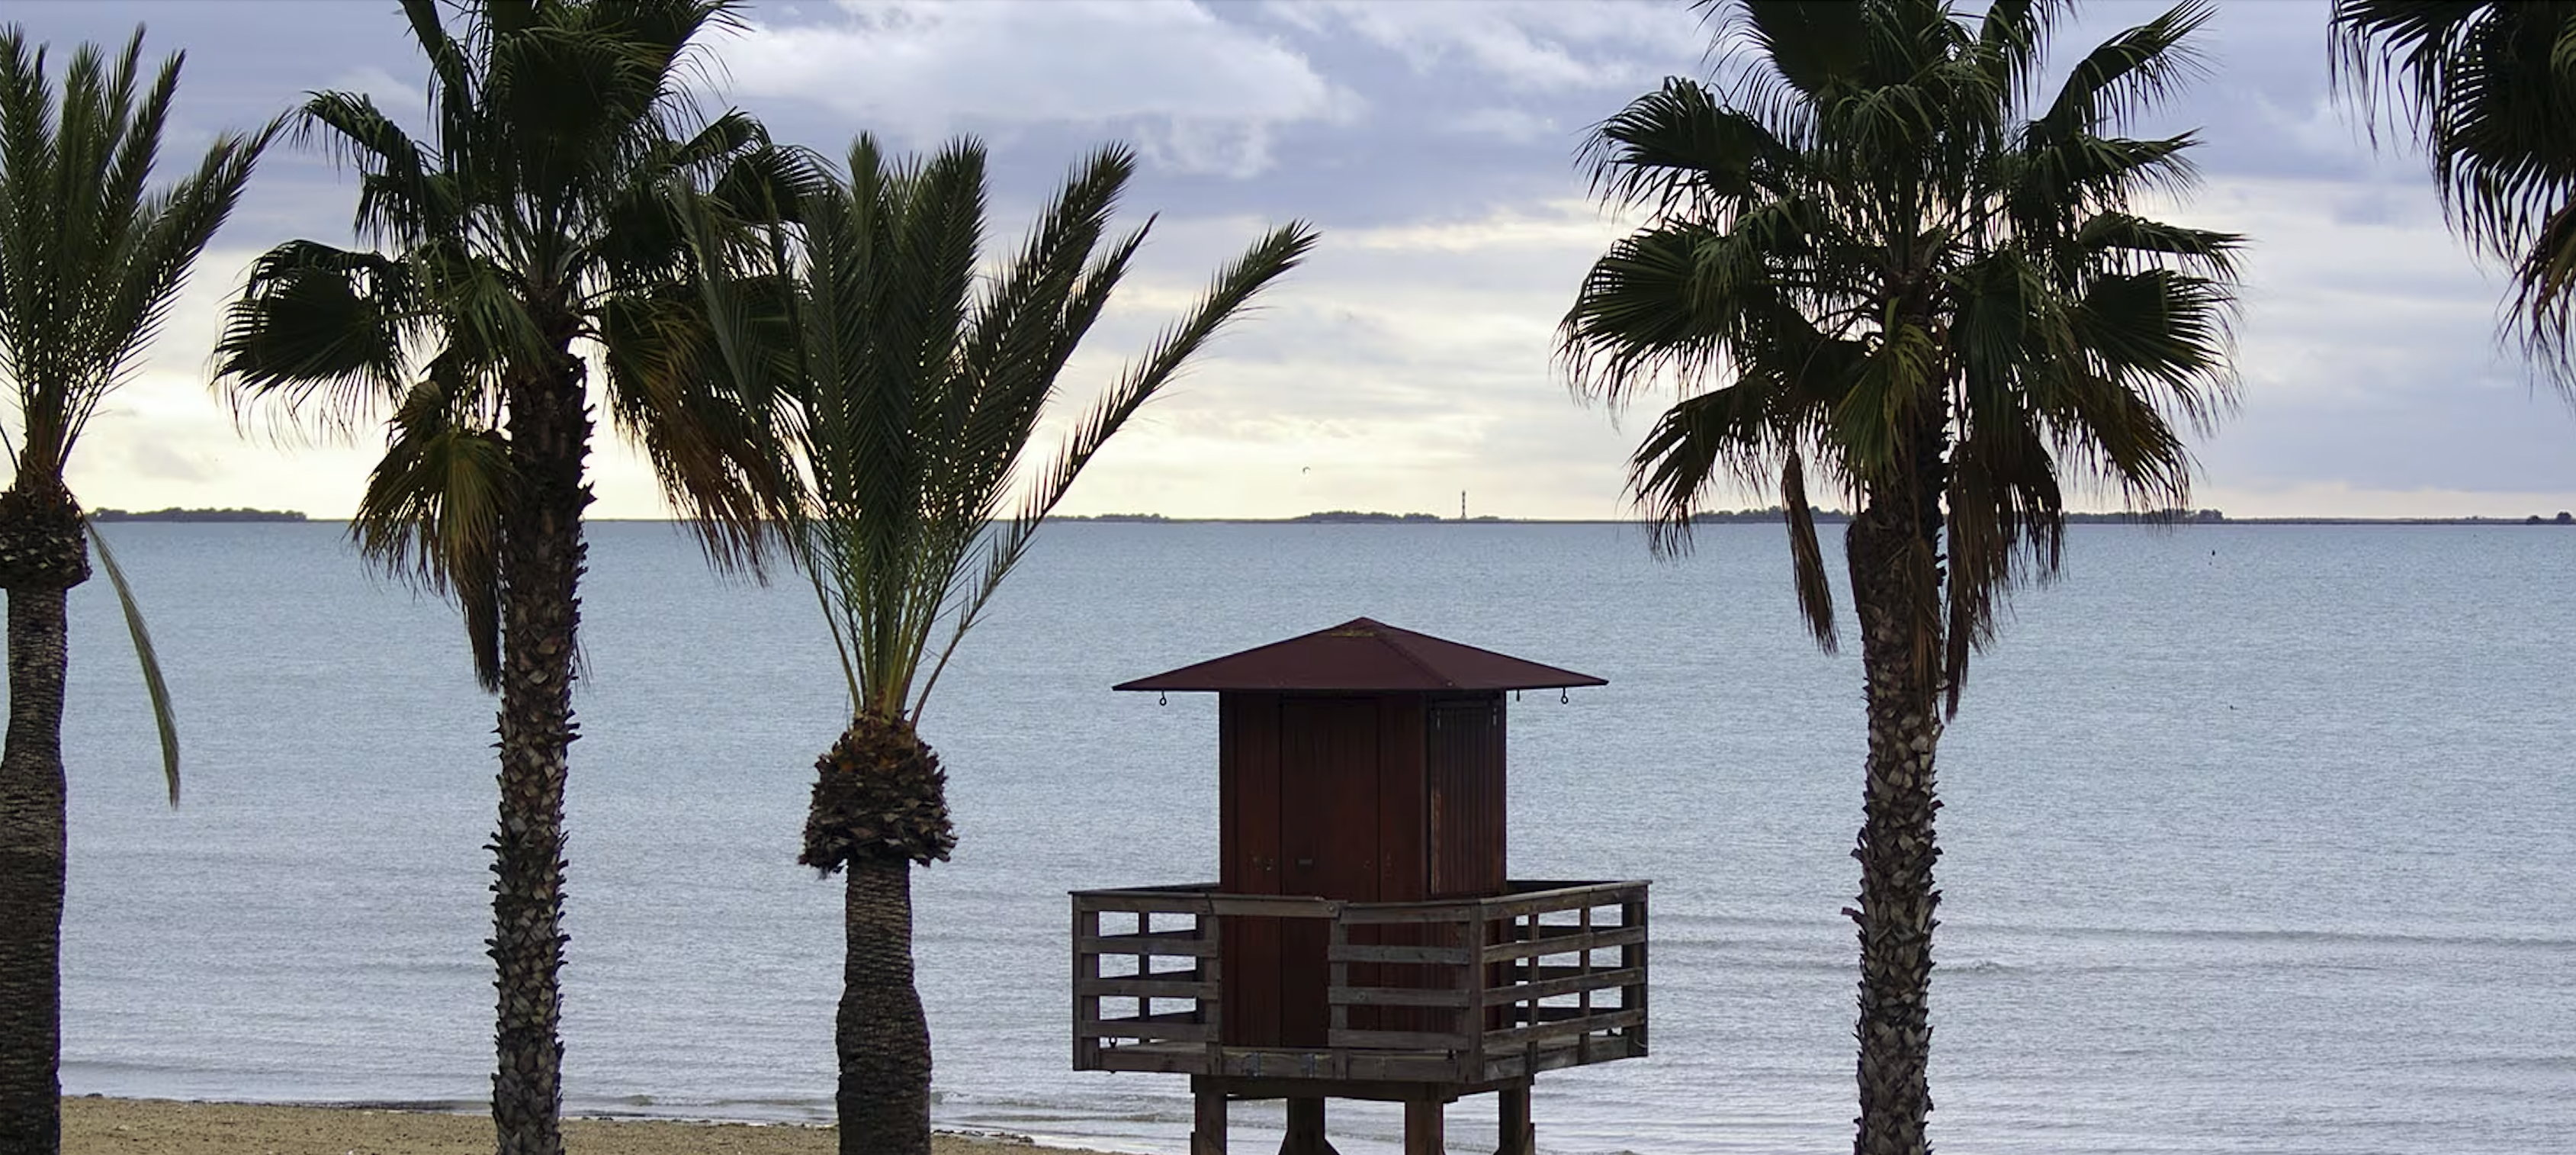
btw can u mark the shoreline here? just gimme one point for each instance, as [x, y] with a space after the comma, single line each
[100, 1125]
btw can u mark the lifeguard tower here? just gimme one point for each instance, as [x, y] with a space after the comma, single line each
[1364, 939]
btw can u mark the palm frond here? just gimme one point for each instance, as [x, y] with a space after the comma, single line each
[912, 387]
[90, 256]
[318, 335]
[165, 719]
[2130, 73]
[1861, 266]
[1233, 288]
[2487, 89]
[432, 510]
[1806, 558]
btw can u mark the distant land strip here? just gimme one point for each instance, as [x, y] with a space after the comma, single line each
[1770, 516]
[1773, 515]
[175, 513]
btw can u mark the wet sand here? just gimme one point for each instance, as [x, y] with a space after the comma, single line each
[98, 1126]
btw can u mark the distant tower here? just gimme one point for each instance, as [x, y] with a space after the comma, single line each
[1462, 505]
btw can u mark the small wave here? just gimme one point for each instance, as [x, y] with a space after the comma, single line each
[2277, 935]
[421, 1106]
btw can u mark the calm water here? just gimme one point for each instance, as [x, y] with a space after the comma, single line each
[2258, 838]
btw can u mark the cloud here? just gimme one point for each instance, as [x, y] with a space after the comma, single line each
[1509, 124]
[1542, 46]
[1401, 365]
[1201, 94]
[404, 99]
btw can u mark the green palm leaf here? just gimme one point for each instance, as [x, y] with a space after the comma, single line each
[543, 226]
[2490, 91]
[1875, 262]
[915, 377]
[91, 256]
[165, 719]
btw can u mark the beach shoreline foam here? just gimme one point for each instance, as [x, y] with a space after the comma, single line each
[98, 1125]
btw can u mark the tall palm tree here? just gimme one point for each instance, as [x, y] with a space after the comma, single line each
[537, 221]
[1908, 273]
[2490, 89]
[90, 258]
[919, 377]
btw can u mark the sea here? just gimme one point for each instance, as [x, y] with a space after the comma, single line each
[2256, 839]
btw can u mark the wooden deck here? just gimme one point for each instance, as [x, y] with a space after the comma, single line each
[1470, 995]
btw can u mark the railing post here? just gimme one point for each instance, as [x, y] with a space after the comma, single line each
[1337, 976]
[1476, 931]
[1144, 964]
[1633, 957]
[1212, 1009]
[1583, 998]
[1086, 1008]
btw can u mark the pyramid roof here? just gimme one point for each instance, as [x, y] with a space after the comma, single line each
[1364, 655]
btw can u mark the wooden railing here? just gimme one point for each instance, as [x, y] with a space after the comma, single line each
[1549, 975]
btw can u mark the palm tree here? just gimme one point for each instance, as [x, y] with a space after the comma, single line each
[90, 259]
[919, 378]
[1906, 281]
[536, 221]
[2490, 89]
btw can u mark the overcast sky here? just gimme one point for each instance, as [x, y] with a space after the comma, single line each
[1433, 144]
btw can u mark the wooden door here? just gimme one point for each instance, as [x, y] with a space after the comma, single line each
[1328, 841]
[1248, 811]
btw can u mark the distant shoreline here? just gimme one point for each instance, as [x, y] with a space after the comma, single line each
[175, 513]
[1821, 519]
[288, 516]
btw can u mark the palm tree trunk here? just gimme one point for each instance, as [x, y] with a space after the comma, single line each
[41, 557]
[541, 563]
[1895, 584]
[884, 1042]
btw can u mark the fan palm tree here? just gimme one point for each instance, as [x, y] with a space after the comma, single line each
[1905, 271]
[537, 221]
[90, 258]
[919, 379]
[2490, 89]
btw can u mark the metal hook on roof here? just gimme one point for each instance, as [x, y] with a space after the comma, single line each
[1162, 699]
[1564, 697]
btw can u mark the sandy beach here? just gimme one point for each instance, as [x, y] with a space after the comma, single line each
[100, 1126]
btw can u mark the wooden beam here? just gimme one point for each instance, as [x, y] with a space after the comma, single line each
[1519, 1137]
[1425, 1121]
[1306, 1129]
[1207, 1132]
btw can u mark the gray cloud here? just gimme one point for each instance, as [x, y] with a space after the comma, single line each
[1434, 144]
[1203, 93]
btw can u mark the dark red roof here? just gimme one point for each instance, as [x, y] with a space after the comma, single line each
[1364, 655]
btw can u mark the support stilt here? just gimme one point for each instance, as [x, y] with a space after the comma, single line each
[1425, 1121]
[1306, 1129]
[1207, 1135]
[1519, 1137]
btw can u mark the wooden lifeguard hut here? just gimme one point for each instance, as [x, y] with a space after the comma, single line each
[1364, 939]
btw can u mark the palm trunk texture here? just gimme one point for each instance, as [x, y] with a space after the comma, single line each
[1896, 851]
[884, 1043]
[541, 565]
[880, 805]
[41, 557]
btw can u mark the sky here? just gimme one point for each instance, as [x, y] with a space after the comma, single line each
[1407, 365]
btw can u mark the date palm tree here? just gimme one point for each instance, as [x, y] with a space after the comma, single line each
[2490, 89]
[91, 255]
[537, 221]
[1903, 270]
[919, 377]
